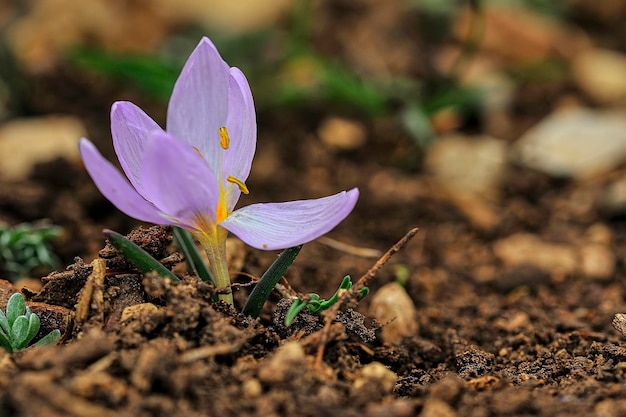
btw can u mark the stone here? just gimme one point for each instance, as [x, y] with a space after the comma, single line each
[597, 261]
[377, 374]
[26, 142]
[471, 165]
[342, 134]
[437, 408]
[468, 171]
[288, 360]
[600, 74]
[531, 250]
[392, 307]
[575, 143]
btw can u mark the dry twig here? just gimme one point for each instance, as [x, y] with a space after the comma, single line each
[351, 295]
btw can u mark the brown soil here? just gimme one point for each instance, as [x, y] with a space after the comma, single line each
[522, 342]
[493, 340]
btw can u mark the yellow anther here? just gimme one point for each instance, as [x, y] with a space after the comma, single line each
[240, 184]
[224, 138]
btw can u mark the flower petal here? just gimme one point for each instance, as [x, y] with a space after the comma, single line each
[130, 128]
[273, 226]
[114, 186]
[241, 125]
[177, 180]
[199, 102]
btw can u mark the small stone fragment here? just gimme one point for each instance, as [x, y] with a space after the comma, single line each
[375, 374]
[252, 388]
[392, 307]
[26, 142]
[597, 261]
[437, 408]
[288, 360]
[138, 311]
[342, 134]
[531, 250]
[576, 143]
[471, 165]
[600, 74]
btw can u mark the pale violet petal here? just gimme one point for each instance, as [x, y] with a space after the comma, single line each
[273, 226]
[242, 129]
[199, 102]
[130, 128]
[178, 181]
[115, 187]
[241, 125]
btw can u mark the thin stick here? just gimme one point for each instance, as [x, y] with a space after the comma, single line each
[352, 293]
[367, 277]
[349, 249]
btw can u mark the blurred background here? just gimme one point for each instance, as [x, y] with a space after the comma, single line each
[498, 127]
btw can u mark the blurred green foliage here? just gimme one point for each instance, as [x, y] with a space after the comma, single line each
[26, 247]
[285, 70]
[151, 74]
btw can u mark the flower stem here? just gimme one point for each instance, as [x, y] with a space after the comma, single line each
[215, 247]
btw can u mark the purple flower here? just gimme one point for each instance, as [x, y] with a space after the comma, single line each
[192, 174]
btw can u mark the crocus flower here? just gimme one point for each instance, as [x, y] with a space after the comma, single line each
[192, 174]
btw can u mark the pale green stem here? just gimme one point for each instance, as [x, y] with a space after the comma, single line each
[215, 248]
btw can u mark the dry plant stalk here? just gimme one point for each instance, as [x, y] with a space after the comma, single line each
[92, 293]
[350, 296]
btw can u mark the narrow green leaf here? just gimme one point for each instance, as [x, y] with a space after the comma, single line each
[295, 308]
[346, 284]
[15, 307]
[363, 293]
[187, 245]
[137, 256]
[268, 281]
[51, 338]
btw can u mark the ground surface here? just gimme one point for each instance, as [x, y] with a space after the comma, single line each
[491, 338]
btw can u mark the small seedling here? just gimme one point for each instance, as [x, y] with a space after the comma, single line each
[19, 326]
[315, 304]
[26, 246]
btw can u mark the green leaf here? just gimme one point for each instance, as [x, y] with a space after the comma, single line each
[19, 332]
[315, 304]
[4, 323]
[187, 245]
[295, 309]
[51, 338]
[34, 323]
[137, 256]
[268, 281]
[5, 342]
[15, 307]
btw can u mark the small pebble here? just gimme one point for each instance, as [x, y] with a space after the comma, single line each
[392, 307]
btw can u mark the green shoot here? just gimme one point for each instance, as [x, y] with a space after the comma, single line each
[315, 304]
[19, 326]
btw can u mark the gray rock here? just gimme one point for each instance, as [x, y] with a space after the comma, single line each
[575, 143]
